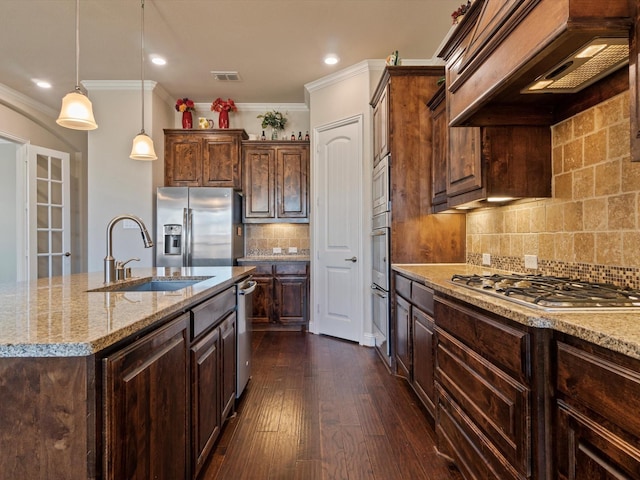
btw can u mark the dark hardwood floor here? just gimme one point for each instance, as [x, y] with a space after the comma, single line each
[321, 408]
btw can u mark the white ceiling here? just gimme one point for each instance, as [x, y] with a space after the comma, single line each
[277, 46]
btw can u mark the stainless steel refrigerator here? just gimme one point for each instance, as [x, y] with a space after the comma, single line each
[198, 227]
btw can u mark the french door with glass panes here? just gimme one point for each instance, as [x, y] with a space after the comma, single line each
[48, 205]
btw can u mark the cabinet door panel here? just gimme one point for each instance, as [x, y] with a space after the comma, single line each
[183, 161]
[403, 352]
[205, 401]
[424, 358]
[259, 183]
[228, 367]
[292, 170]
[291, 299]
[146, 406]
[465, 168]
[262, 304]
[221, 166]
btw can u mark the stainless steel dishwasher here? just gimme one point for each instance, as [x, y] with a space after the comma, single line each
[244, 292]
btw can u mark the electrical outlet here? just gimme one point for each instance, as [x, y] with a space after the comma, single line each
[277, 250]
[486, 259]
[531, 261]
[126, 223]
[293, 249]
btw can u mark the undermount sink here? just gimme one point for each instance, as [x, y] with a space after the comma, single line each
[152, 285]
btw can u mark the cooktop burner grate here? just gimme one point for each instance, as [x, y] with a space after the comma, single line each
[550, 292]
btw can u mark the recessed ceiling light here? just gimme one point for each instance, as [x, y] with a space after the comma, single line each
[156, 60]
[331, 59]
[42, 83]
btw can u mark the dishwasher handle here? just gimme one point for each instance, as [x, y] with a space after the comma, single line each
[247, 287]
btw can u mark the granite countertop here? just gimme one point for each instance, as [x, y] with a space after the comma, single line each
[59, 317]
[274, 258]
[616, 330]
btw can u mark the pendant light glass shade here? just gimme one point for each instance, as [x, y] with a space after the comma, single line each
[142, 144]
[143, 148]
[76, 111]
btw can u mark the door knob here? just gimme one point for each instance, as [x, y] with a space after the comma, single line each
[67, 254]
[352, 259]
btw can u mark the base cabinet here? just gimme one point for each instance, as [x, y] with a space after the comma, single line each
[414, 338]
[281, 297]
[146, 415]
[486, 416]
[597, 405]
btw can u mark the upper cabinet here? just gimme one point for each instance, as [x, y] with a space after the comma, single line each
[515, 62]
[203, 158]
[381, 127]
[276, 182]
[475, 165]
[403, 127]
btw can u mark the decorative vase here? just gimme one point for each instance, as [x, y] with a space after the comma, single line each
[223, 119]
[274, 134]
[187, 120]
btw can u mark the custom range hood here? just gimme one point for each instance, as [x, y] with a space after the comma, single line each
[517, 61]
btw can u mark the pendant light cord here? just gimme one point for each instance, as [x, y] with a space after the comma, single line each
[78, 46]
[142, 61]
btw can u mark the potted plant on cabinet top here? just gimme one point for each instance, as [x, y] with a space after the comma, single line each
[276, 120]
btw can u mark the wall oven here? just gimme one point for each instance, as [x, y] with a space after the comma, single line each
[381, 260]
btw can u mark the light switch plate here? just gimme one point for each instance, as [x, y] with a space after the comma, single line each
[277, 250]
[293, 249]
[531, 261]
[486, 259]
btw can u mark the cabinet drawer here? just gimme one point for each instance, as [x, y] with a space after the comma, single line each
[496, 403]
[422, 297]
[298, 268]
[610, 389]
[403, 286]
[506, 346]
[262, 269]
[209, 312]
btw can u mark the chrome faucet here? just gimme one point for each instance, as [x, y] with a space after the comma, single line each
[109, 261]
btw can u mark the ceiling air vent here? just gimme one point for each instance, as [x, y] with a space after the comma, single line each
[590, 63]
[226, 76]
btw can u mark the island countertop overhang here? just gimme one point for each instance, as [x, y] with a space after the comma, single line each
[60, 317]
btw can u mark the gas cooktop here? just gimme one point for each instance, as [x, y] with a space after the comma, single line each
[552, 293]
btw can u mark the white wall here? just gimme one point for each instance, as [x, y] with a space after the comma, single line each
[8, 218]
[116, 184]
[24, 121]
[334, 98]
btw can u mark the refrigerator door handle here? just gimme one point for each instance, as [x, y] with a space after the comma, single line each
[187, 237]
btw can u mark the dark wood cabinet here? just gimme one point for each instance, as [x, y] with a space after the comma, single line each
[597, 404]
[281, 297]
[205, 404]
[414, 338]
[213, 372]
[403, 129]
[493, 395]
[203, 158]
[146, 406]
[471, 165]
[276, 182]
[381, 127]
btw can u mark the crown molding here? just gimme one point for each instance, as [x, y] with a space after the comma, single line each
[11, 96]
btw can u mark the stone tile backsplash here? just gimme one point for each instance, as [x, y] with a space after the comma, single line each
[589, 228]
[260, 239]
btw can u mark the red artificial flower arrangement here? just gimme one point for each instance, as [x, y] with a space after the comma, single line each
[185, 105]
[220, 105]
[464, 8]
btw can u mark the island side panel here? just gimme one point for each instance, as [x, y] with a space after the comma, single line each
[47, 418]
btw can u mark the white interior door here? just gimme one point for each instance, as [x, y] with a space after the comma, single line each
[49, 218]
[337, 231]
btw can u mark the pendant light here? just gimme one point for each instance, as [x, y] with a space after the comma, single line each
[76, 111]
[142, 144]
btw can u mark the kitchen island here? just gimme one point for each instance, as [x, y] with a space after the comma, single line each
[111, 384]
[519, 392]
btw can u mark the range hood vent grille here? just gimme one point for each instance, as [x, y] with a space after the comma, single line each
[583, 68]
